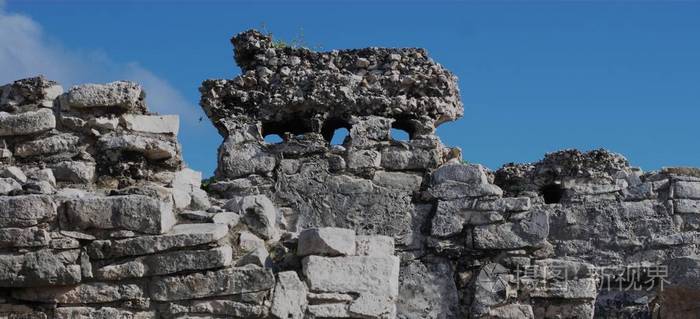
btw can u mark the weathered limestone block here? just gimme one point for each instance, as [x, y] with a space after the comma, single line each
[329, 310]
[238, 160]
[327, 241]
[9, 185]
[531, 231]
[683, 189]
[13, 172]
[102, 313]
[151, 148]
[258, 213]
[123, 96]
[398, 180]
[289, 300]
[35, 91]
[24, 237]
[376, 245]
[491, 288]
[686, 206]
[401, 158]
[371, 306]
[182, 235]
[364, 159]
[513, 311]
[26, 210]
[216, 308]
[130, 212]
[45, 175]
[26, 123]
[62, 143]
[359, 274]
[166, 263]
[74, 171]
[159, 124]
[85, 293]
[258, 256]
[451, 216]
[228, 281]
[34, 269]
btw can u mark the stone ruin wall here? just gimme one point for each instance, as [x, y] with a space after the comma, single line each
[100, 218]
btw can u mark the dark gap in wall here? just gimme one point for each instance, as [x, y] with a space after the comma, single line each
[335, 131]
[402, 130]
[552, 193]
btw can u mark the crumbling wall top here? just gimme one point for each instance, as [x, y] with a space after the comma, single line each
[283, 84]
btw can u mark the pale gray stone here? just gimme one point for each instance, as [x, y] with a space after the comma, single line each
[289, 299]
[465, 173]
[159, 124]
[690, 190]
[26, 210]
[247, 241]
[330, 310]
[371, 306]
[182, 235]
[427, 290]
[513, 311]
[26, 123]
[74, 171]
[228, 281]
[36, 269]
[130, 212]
[227, 218]
[93, 292]
[238, 160]
[398, 180]
[166, 263]
[45, 175]
[327, 241]
[13, 172]
[528, 232]
[371, 274]
[24, 237]
[9, 185]
[151, 148]
[686, 206]
[56, 144]
[102, 313]
[258, 213]
[124, 95]
[376, 245]
[104, 123]
[217, 307]
[364, 159]
[258, 257]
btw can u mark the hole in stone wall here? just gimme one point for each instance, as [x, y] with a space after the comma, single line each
[339, 136]
[400, 135]
[335, 131]
[273, 131]
[273, 139]
[552, 193]
[402, 130]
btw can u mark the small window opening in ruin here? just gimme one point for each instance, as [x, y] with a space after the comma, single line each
[339, 136]
[400, 135]
[273, 139]
[402, 130]
[552, 193]
[272, 132]
[335, 131]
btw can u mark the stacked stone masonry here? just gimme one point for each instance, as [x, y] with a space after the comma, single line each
[100, 218]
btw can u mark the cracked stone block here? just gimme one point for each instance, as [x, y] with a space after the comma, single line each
[228, 281]
[129, 212]
[181, 235]
[26, 123]
[327, 241]
[123, 96]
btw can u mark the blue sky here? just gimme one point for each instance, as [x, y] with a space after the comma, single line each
[534, 77]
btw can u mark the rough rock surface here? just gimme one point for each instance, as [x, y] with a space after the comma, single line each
[99, 218]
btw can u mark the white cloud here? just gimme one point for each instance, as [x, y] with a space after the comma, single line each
[25, 51]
